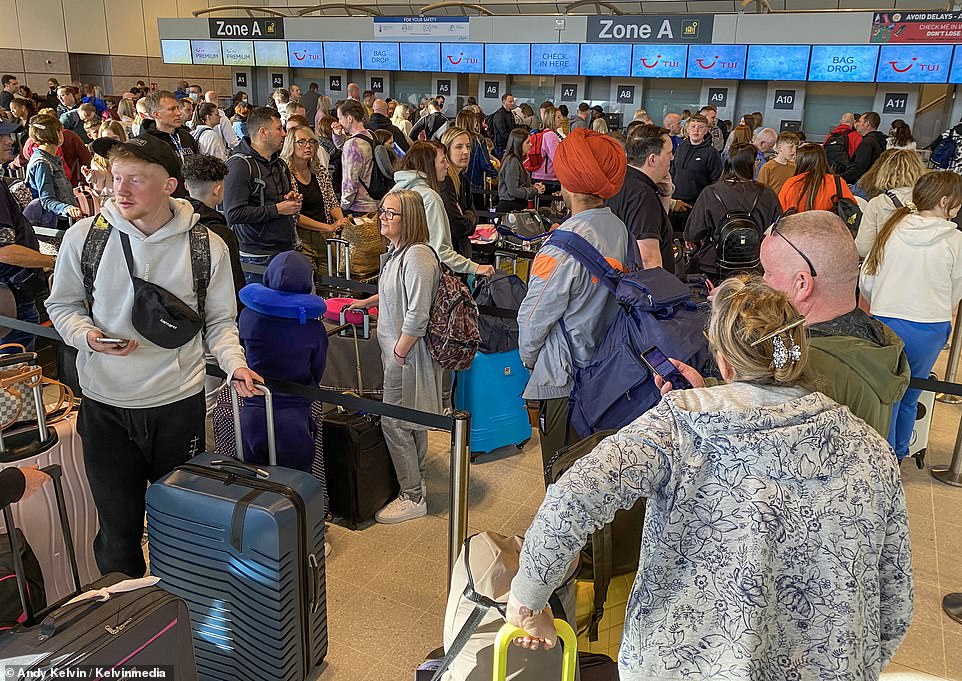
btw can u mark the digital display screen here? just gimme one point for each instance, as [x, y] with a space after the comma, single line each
[605, 60]
[305, 55]
[550, 59]
[777, 62]
[205, 52]
[420, 57]
[270, 53]
[659, 61]
[462, 57]
[175, 51]
[843, 63]
[238, 52]
[380, 56]
[716, 61]
[510, 58]
[914, 64]
[956, 75]
[342, 55]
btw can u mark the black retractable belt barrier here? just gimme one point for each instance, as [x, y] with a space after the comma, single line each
[459, 424]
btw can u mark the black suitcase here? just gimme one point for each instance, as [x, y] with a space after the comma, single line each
[244, 546]
[143, 628]
[360, 473]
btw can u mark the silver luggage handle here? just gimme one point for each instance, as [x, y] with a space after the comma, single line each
[345, 247]
[269, 409]
[366, 324]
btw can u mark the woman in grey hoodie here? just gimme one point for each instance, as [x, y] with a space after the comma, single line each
[776, 541]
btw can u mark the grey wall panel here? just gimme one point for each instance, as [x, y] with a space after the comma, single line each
[724, 28]
[842, 28]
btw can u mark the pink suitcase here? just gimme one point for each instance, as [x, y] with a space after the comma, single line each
[355, 317]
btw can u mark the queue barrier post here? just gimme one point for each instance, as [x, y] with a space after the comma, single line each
[953, 366]
[951, 474]
[460, 471]
[952, 606]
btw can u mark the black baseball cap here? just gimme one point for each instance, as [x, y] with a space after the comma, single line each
[147, 148]
[10, 127]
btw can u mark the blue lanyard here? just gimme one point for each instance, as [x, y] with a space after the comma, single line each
[180, 147]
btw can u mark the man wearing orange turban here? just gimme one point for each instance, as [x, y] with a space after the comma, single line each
[591, 168]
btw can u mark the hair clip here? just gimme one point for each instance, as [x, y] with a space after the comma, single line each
[911, 206]
[777, 332]
[781, 354]
[39, 126]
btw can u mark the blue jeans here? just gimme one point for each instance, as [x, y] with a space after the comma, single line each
[26, 312]
[262, 260]
[923, 343]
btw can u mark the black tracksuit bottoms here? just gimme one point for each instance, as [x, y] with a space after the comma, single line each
[124, 450]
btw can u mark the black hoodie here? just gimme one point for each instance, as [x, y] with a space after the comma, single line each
[188, 147]
[260, 229]
[867, 152]
[382, 122]
[695, 167]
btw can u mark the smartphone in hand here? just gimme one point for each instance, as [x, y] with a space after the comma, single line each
[661, 365]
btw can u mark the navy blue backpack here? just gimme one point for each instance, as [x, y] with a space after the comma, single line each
[656, 308]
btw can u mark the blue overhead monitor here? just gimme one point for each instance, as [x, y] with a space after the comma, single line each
[508, 58]
[270, 53]
[306, 55]
[238, 52]
[716, 61]
[206, 52]
[550, 59]
[843, 63]
[175, 51]
[380, 56]
[342, 55]
[659, 61]
[777, 62]
[955, 76]
[420, 57]
[605, 60]
[914, 64]
[462, 57]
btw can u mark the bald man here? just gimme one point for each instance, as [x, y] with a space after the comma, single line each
[379, 121]
[672, 123]
[846, 127]
[853, 358]
[354, 92]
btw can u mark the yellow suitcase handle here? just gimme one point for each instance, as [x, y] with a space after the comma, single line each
[509, 632]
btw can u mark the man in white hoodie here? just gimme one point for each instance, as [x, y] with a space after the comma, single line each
[143, 407]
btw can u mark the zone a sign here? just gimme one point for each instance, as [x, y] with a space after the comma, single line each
[262, 29]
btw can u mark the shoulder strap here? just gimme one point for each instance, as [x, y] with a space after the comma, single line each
[578, 247]
[92, 253]
[838, 190]
[255, 175]
[894, 199]
[200, 265]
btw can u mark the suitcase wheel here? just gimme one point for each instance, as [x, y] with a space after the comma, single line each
[521, 445]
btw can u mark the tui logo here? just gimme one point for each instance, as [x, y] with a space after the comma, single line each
[701, 63]
[907, 68]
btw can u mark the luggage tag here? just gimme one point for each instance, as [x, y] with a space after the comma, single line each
[118, 588]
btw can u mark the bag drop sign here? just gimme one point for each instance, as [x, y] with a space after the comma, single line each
[784, 99]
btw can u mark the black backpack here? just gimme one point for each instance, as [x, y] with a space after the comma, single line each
[505, 291]
[846, 208]
[738, 240]
[836, 151]
[381, 184]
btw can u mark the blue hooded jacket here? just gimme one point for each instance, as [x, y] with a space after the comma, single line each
[282, 328]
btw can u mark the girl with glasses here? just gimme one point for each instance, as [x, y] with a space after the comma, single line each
[410, 273]
[320, 212]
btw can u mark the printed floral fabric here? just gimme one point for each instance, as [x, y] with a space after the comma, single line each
[776, 542]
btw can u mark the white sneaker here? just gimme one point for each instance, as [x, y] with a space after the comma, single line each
[401, 509]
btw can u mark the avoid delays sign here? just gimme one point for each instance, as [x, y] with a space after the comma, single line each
[696, 28]
[917, 27]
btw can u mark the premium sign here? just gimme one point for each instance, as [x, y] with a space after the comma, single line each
[261, 29]
[651, 29]
[917, 27]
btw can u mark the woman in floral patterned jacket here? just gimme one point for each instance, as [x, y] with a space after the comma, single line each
[776, 542]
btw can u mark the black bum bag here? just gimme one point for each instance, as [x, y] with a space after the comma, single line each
[157, 314]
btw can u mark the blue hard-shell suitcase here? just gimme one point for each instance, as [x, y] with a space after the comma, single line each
[491, 390]
[243, 545]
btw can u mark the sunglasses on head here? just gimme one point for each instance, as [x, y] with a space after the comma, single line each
[773, 229]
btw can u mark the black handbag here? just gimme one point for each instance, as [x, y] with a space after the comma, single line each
[603, 555]
[11, 610]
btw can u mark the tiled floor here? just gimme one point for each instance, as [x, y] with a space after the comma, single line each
[386, 584]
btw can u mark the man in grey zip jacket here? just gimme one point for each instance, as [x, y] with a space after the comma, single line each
[591, 168]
